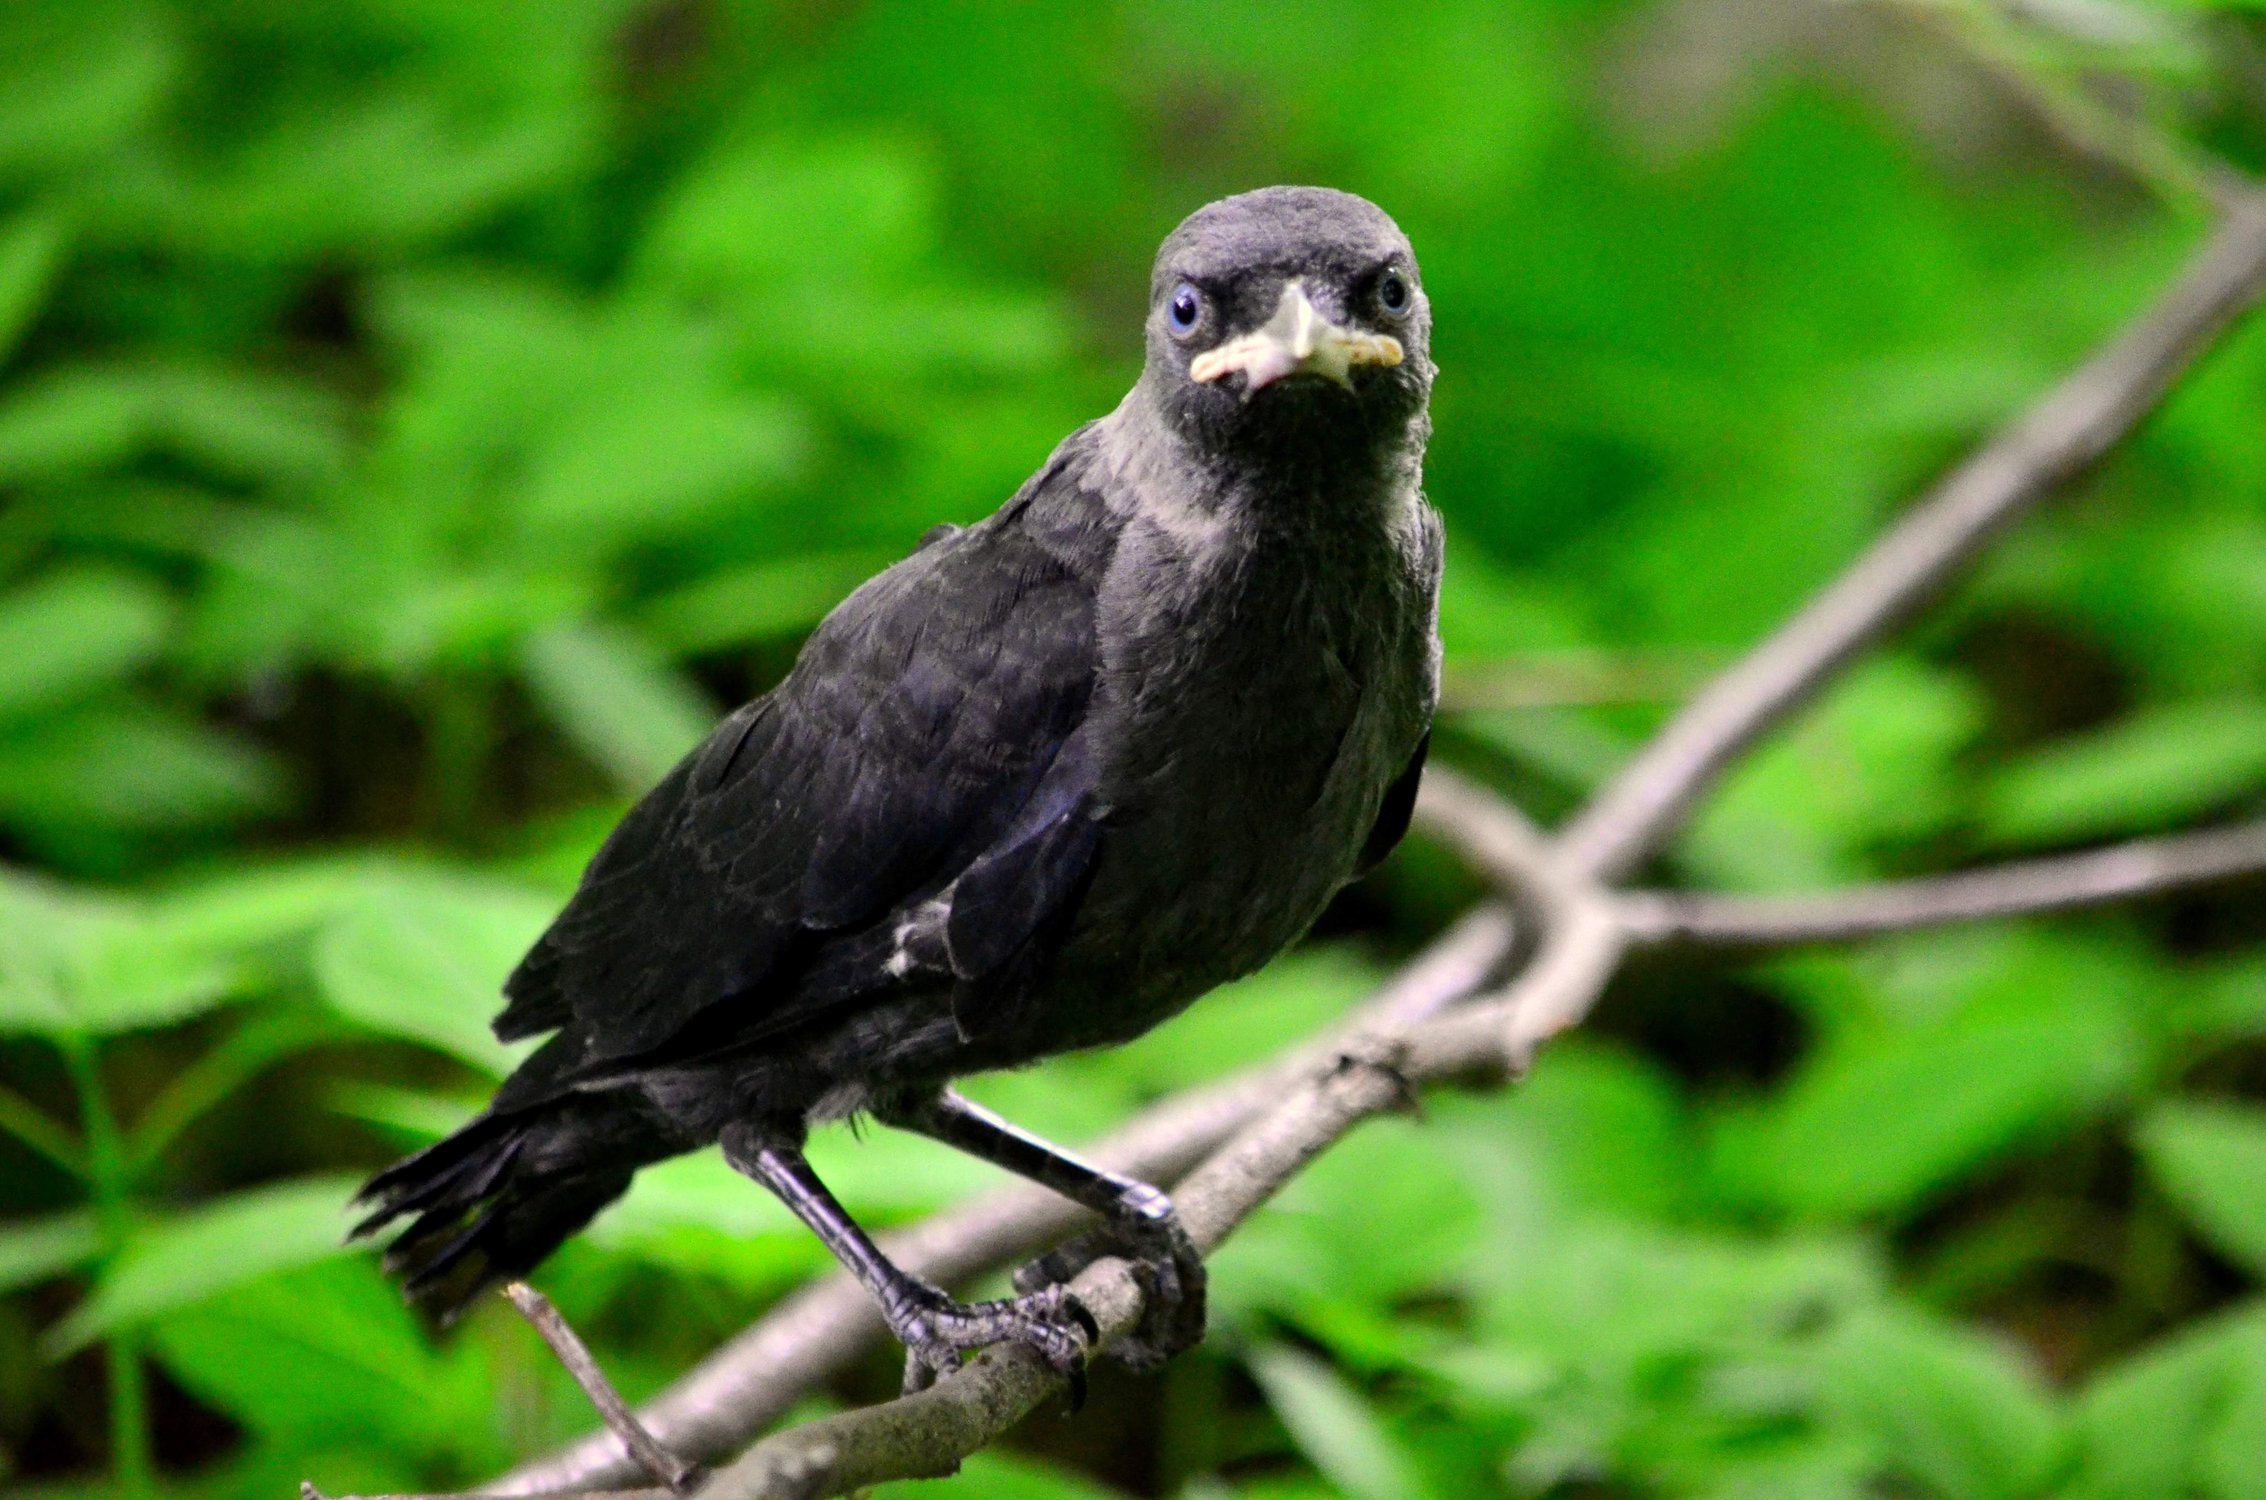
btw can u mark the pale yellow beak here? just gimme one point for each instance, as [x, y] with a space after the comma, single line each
[1297, 340]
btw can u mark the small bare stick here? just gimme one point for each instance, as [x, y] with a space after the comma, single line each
[620, 1420]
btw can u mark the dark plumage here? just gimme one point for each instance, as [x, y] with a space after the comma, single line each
[1034, 788]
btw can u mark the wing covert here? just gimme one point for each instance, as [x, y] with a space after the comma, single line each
[918, 740]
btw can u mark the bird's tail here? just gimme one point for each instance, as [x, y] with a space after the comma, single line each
[493, 1200]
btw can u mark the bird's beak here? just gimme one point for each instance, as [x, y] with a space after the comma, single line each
[1297, 340]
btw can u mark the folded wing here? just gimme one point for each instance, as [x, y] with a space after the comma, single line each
[915, 802]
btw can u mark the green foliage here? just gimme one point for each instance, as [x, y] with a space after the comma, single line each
[418, 420]
[187, 1260]
[420, 958]
[2211, 1159]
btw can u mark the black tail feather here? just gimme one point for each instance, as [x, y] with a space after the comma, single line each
[496, 1198]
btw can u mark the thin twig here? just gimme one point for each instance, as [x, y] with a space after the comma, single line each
[2078, 421]
[2142, 868]
[657, 1461]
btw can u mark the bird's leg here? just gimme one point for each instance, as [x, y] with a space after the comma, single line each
[1141, 1226]
[665, 1467]
[934, 1328]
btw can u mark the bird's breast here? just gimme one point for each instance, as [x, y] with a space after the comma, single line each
[1260, 711]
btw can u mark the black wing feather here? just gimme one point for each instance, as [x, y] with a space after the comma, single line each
[1394, 812]
[916, 742]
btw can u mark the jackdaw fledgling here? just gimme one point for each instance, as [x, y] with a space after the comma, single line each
[1034, 788]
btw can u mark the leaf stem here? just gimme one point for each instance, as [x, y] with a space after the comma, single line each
[108, 1182]
[28, 1123]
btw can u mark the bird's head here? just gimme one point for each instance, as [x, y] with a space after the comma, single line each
[1288, 328]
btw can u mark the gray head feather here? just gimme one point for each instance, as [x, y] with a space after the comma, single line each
[1249, 422]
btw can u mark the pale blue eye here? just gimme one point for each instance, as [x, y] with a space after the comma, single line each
[1186, 307]
[1392, 293]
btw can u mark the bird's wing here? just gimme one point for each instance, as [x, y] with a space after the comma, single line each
[1394, 812]
[925, 745]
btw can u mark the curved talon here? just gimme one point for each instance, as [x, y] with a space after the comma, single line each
[936, 1331]
[1166, 1262]
[1077, 1309]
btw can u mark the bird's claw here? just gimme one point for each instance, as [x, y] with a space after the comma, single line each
[1169, 1268]
[936, 1331]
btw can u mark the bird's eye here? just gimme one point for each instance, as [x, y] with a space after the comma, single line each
[1392, 292]
[1186, 307]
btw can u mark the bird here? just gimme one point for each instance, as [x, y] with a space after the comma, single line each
[1035, 788]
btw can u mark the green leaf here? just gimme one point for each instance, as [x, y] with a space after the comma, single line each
[653, 460]
[2234, 1456]
[75, 630]
[78, 78]
[31, 252]
[1885, 1117]
[620, 701]
[264, 1040]
[82, 421]
[1241, 1023]
[131, 768]
[78, 964]
[1335, 1426]
[1487, 612]
[211, 1249]
[2161, 765]
[34, 1250]
[1946, 1406]
[694, 1213]
[1872, 764]
[994, 1475]
[755, 218]
[253, 905]
[375, 170]
[1379, 1220]
[322, 1353]
[1606, 1128]
[426, 957]
[69, 424]
[418, 1118]
[757, 602]
[2210, 1158]
[2157, 1422]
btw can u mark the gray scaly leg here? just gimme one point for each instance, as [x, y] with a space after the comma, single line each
[1141, 1226]
[935, 1329]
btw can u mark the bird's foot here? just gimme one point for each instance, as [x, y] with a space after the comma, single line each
[936, 1331]
[1150, 1240]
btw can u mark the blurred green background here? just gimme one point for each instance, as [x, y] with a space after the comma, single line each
[419, 418]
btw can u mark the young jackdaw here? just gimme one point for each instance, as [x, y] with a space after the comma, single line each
[1036, 787]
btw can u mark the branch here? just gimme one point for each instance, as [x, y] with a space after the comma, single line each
[2142, 868]
[1582, 933]
[824, 1329]
[2078, 421]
